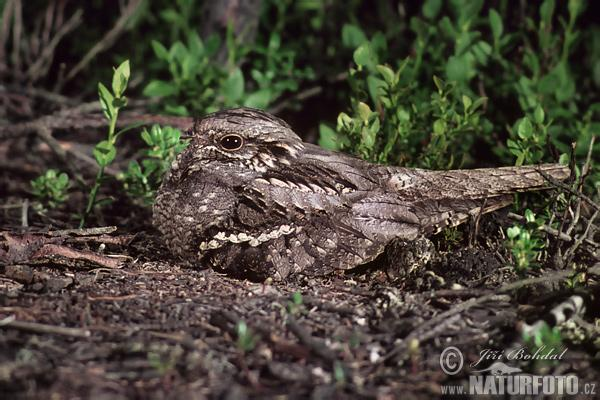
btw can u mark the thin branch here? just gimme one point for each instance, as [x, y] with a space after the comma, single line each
[570, 190]
[7, 14]
[546, 228]
[46, 135]
[17, 33]
[42, 64]
[554, 277]
[35, 327]
[106, 42]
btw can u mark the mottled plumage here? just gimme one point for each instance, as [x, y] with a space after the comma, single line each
[248, 197]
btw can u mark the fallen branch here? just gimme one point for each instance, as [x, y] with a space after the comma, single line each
[100, 230]
[36, 327]
[554, 277]
[51, 251]
[113, 298]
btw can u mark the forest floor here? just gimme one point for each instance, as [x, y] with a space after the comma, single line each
[107, 313]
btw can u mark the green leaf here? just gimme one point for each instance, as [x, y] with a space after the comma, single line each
[439, 126]
[121, 78]
[439, 84]
[106, 101]
[233, 87]
[177, 110]
[525, 129]
[161, 51]
[375, 88]
[259, 99]
[460, 68]
[564, 159]
[195, 46]
[328, 138]
[105, 153]
[120, 102]
[147, 138]
[575, 7]
[431, 8]
[344, 121]
[212, 44]
[158, 88]
[387, 73]
[513, 232]
[352, 36]
[364, 111]
[546, 12]
[478, 103]
[529, 216]
[467, 102]
[496, 24]
[274, 42]
[362, 55]
[538, 115]
[63, 179]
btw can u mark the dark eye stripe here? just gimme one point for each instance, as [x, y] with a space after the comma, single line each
[231, 142]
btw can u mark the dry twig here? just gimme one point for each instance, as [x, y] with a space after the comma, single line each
[35, 327]
[106, 42]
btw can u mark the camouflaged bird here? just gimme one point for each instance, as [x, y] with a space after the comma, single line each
[250, 198]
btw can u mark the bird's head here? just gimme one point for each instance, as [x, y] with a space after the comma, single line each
[242, 140]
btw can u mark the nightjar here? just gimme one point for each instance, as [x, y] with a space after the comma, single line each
[250, 198]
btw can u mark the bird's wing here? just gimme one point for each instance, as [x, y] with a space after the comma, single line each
[290, 220]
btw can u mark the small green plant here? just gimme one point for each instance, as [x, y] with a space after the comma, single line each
[528, 140]
[577, 280]
[160, 363]
[524, 243]
[50, 189]
[105, 151]
[246, 340]
[142, 179]
[339, 374]
[545, 340]
[295, 304]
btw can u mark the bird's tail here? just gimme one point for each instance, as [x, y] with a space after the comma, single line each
[476, 183]
[468, 193]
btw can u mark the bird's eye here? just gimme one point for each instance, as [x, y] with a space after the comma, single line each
[231, 142]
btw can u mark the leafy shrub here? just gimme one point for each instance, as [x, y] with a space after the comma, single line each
[200, 84]
[50, 189]
[537, 98]
[401, 126]
[142, 179]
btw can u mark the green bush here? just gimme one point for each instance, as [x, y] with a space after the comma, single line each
[142, 179]
[50, 189]
[522, 82]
